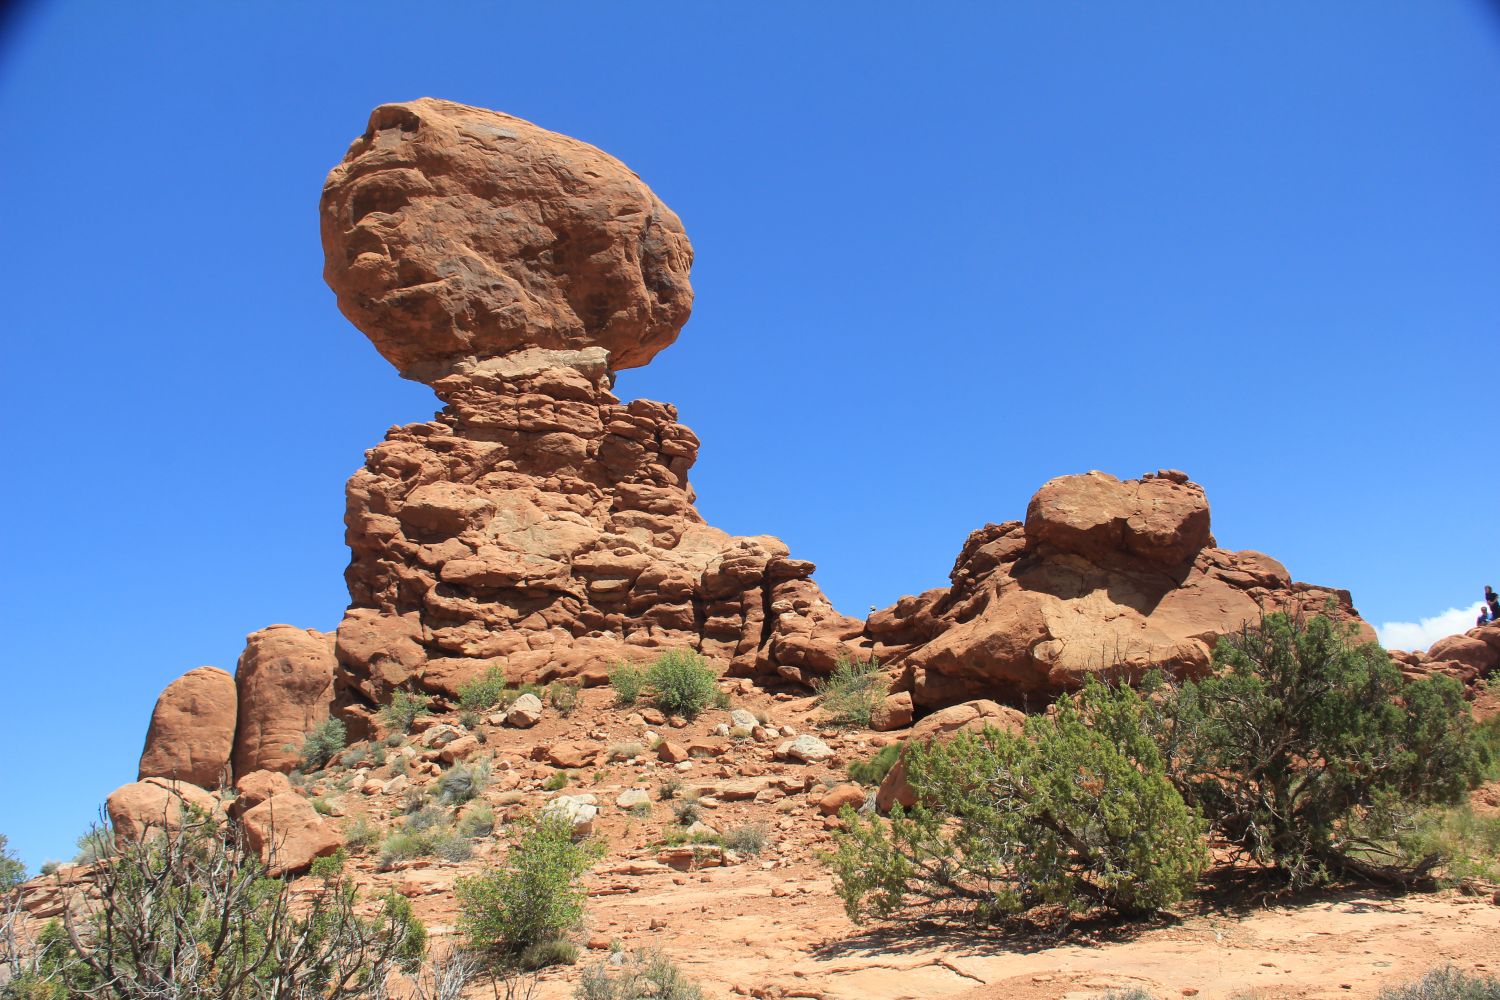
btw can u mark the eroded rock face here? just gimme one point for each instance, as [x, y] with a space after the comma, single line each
[1108, 577]
[538, 524]
[192, 729]
[285, 682]
[453, 235]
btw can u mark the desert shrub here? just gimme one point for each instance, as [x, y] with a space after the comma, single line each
[872, 770]
[425, 817]
[321, 807]
[1446, 984]
[853, 693]
[351, 758]
[533, 899]
[477, 821]
[12, 870]
[50, 866]
[686, 811]
[1074, 813]
[645, 975]
[403, 845]
[1467, 843]
[1132, 993]
[361, 834]
[453, 846]
[669, 788]
[628, 681]
[681, 683]
[483, 692]
[563, 697]
[461, 783]
[1309, 751]
[95, 845]
[469, 719]
[556, 781]
[749, 838]
[625, 751]
[1487, 734]
[544, 954]
[195, 912]
[404, 710]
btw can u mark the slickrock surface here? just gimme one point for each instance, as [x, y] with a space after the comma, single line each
[192, 729]
[1104, 576]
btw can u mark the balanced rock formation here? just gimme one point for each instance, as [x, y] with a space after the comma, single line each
[192, 729]
[456, 236]
[1104, 577]
[285, 681]
[538, 524]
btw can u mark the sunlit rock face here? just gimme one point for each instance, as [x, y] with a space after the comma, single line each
[454, 236]
[538, 523]
[1106, 577]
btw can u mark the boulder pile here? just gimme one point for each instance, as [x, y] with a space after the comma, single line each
[1109, 577]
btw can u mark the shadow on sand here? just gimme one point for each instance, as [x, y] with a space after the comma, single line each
[1233, 893]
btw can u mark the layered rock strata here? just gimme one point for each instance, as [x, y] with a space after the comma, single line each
[538, 524]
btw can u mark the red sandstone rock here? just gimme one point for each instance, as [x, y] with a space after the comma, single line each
[285, 681]
[839, 796]
[157, 804]
[453, 235]
[1467, 649]
[895, 712]
[538, 524]
[1105, 577]
[254, 788]
[287, 832]
[192, 729]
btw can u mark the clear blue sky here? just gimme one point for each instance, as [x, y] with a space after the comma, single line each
[943, 254]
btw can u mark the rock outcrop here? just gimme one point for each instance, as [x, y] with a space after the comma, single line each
[538, 524]
[192, 729]
[1467, 657]
[1108, 577]
[285, 681]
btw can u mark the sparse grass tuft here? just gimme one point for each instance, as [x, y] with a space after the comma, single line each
[1446, 984]
[853, 692]
[750, 838]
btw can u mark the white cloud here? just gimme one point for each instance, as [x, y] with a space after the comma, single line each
[1420, 635]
